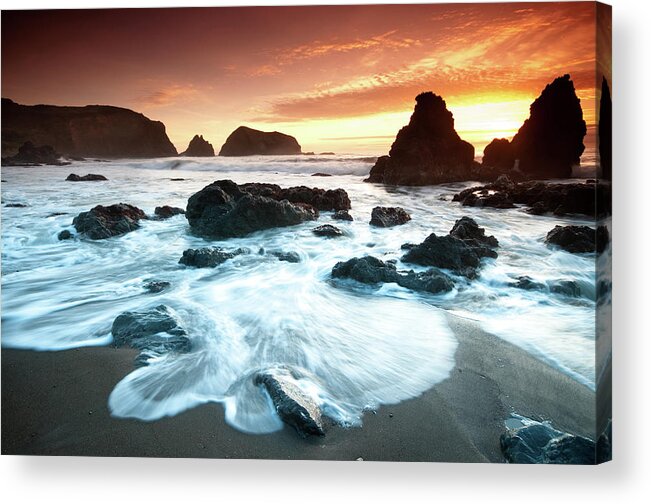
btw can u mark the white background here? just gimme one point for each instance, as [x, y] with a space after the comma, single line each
[626, 479]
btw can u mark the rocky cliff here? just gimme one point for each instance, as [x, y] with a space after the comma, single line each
[90, 131]
[250, 142]
[426, 151]
[199, 147]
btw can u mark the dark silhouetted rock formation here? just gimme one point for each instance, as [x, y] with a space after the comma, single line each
[209, 257]
[91, 177]
[389, 216]
[540, 197]
[426, 151]
[154, 333]
[199, 147]
[293, 405]
[250, 142]
[91, 131]
[104, 222]
[460, 251]
[606, 132]
[225, 210]
[370, 270]
[328, 231]
[579, 239]
[31, 155]
[550, 141]
[166, 211]
[499, 155]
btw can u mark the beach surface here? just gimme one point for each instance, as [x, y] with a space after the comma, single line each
[55, 403]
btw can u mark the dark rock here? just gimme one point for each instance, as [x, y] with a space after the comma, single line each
[460, 252]
[321, 199]
[166, 211]
[566, 288]
[199, 147]
[389, 216]
[91, 131]
[526, 283]
[499, 154]
[539, 443]
[326, 153]
[154, 333]
[64, 235]
[177, 179]
[85, 178]
[156, 286]
[342, 215]
[540, 197]
[550, 142]
[293, 405]
[605, 137]
[209, 257]
[291, 257]
[250, 142]
[104, 222]
[16, 205]
[308, 153]
[31, 155]
[224, 210]
[426, 151]
[578, 239]
[370, 270]
[328, 230]
[319, 174]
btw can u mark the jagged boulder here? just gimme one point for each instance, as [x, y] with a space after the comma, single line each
[321, 199]
[389, 216]
[91, 177]
[106, 221]
[199, 147]
[29, 155]
[499, 155]
[550, 142]
[460, 251]
[250, 142]
[225, 210]
[209, 257]
[342, 215]
[579, 239]
[426, 151]
[328, 231]
[166, 211]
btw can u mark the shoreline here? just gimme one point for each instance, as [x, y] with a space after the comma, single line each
[55, 403]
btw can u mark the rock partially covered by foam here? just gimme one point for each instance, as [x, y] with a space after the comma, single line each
[166, 211]
[225, 210]
[461, 251]
[579, 239]
[550, 142]
[209, 257]
[91, 177]
[198, 147]
[294, 406]
[154, 332]
[389, 216]
[251, 142]
[426, 151]
[106, 221]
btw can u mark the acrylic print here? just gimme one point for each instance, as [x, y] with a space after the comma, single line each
[373, 233]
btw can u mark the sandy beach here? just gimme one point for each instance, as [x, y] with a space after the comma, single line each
[55, 403]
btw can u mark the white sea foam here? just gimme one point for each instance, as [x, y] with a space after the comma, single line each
[354, 346]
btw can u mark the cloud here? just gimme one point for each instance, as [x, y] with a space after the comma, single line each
[167, 95]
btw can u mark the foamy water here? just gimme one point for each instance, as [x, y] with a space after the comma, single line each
[350, 346]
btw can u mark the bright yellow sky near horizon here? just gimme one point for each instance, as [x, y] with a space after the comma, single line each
[338, 78]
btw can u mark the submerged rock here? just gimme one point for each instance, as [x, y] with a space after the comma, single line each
[460, 251]
[370, 270]
[199, 147]
[156, 286]
[426, 151]
[550, 142]
[64, 235]
[579, 239]
[209, 257]
[15, 205]
[224, 210]
[321, 174]
[539, 443]
[293, 405]
[250, 142]
[328, 231]
[73, 177]
[154, 333]
[291, 257]
[104, 222]
[342, 215]
[166, 211]
[31, 155]
[389, 216]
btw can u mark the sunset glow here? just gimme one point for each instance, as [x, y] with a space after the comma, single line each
[339, 78]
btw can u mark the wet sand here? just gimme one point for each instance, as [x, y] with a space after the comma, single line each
[55, 403]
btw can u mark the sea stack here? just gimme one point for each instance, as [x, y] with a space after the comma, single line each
[606, 132]
[426, 151]
[199, 147]
[550, 142]
[250, 142]
[90, 131]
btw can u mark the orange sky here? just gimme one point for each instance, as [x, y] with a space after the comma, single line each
[339, 78]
